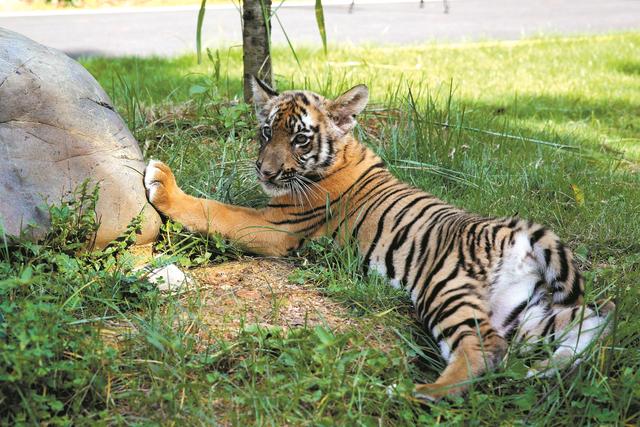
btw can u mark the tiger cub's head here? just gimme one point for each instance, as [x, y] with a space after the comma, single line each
[300, 133]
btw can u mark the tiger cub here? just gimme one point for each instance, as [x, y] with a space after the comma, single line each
[476, 283]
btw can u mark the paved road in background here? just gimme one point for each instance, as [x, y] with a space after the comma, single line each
[171, 32]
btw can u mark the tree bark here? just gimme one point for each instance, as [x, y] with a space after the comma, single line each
[255, 43]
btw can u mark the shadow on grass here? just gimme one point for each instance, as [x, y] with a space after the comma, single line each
[607, 126]
[159, 80]
[563, 108]
[631, 68]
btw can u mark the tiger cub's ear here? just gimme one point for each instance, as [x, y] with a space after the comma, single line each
[344, 109]
[261, 93]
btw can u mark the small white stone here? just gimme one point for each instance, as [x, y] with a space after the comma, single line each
[168, 278]
[391, 390]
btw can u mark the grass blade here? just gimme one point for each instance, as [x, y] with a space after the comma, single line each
[266, 16]
[286, 36]
[321, 26]
[203, 8]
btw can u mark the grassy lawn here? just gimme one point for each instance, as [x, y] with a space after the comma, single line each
[547, 129]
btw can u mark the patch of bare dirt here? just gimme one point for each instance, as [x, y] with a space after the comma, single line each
[255, 291]
[258, 291]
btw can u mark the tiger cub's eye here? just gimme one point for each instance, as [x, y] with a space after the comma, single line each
[266, 133]
[301, 139]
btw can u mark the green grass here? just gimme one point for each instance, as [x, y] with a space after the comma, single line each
[545, 128]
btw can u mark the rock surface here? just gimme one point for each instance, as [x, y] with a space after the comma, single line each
[57, 129]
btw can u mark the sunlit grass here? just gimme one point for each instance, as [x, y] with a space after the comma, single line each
[583, 88]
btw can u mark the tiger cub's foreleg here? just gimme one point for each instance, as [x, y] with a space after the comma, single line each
[250, 228]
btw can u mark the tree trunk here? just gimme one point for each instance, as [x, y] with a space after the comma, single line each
[255, 43]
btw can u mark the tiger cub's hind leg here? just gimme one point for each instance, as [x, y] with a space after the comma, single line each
[475, 347]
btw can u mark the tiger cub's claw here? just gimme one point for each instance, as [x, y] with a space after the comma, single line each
[160, 185]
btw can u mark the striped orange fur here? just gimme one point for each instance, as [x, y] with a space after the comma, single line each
[476, 282]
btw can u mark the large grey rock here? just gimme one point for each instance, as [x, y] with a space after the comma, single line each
[58, 128]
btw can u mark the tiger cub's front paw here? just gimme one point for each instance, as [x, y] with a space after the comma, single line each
[161, 186]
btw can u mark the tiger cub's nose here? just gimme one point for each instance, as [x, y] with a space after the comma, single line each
[267, 171]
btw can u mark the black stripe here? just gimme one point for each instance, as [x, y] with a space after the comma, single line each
[381, 196]
[471, 242]
[331, 153]
[575, 293]
[511, 331]
[564, 265]
[365, 199]
[458, 340]
[435, 216]
[311, 228]
[376, 238]
[352, 211]
[487, 247]
[435, 289]
[441, 314]
[504, 240]
[407, 263]
[308, 217]
[363, 155]
[550, 326]
[494, 233]
[405, 210]
[396, 243]
[537, 235]
[512, 222]
[353, 197]
[465, 287]
[436, 225]
[432, 224]
[400, 237]
[514, 313]
[480, 232]
[303, 98]
[423, 256]
[448, 227]
[297, 220]
[470, 322]
[573, 314]
[319, 147]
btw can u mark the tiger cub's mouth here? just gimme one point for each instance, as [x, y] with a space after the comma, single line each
[274, 189]
[283, 183]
